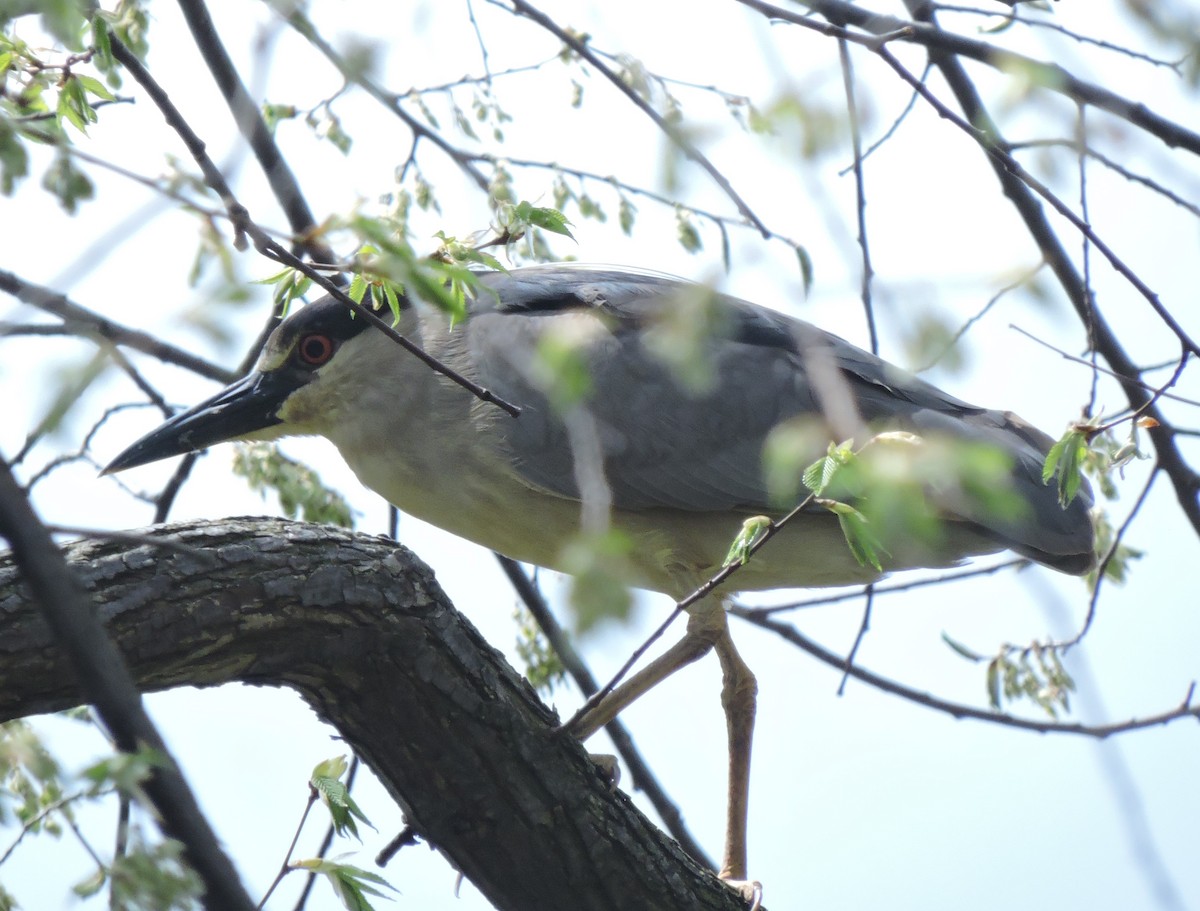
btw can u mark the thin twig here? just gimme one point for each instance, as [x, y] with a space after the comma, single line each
[860, 192]
[958, 710]
[522, 8]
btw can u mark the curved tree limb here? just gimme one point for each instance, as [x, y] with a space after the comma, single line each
[362, 631]
[88, 662]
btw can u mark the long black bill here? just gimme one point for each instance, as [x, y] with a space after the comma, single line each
[250, 404]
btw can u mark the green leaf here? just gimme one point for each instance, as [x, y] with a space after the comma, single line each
[14, 160]
[820, 474]
[602, 573]
[350, 884]
[626, 212]
[993, 683]
[358, 288]
[861, 538]
[343, 810]
[544, 217]
[94, 87]
[753, 530]
[88, 887]
[1065, 462]
[806, 268]
[686, 233]
[70, 185]
[543, 667]
[961, 649]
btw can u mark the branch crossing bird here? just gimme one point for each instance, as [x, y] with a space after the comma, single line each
[618, 429]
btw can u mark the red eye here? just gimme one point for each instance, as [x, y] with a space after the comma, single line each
[315, 349]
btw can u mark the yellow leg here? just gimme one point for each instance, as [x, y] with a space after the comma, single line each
[705, 627]
[739, 697]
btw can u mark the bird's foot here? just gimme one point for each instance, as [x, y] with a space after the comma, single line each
[750, 890]
[608, 766]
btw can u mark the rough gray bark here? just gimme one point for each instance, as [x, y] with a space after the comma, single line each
[359, 627]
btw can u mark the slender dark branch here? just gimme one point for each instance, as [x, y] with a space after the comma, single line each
[1115, 166]
[250, 122]
[1183, 478]
[768, 531]
[81, 321]
[389, 100]
[622, 187]
[1081, 38]
[245, 227]
[1158, 391]
[522, 8]
[643, 778]
[166, 499]
[958, 710]
[891, 130]
[991, 143]
[105, 682]
[983, 311]
[1102, 568]
[749, 613]
[1049, 76]
[405, 837]
[598, 696]
[285, 865]
[858, 639]
[868, 272]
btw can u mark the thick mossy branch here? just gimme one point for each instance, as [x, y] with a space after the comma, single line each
[359, 627]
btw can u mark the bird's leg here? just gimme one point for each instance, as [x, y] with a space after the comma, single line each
[739, 697]
[704, 630]
[707, 628]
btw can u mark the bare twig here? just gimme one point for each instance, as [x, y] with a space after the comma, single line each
[522, 8]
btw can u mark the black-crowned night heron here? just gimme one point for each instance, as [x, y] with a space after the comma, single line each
[675, 463]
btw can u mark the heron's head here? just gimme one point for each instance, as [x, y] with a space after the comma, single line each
[308, 367]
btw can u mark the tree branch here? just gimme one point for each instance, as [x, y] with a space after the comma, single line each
[82, 321]
[252, 126]
[89, 665]
[1049, 76]
[361, 630]
[521, 8]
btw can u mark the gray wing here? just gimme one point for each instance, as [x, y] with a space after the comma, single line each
[664, 446]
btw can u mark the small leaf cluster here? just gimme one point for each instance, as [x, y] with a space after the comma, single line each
[1117, 567]
[148, 876]
[590, 207]
[600, 565]
[388, 266]
[543, 668]
[1034, 672]
[31, 781]
[300, 490]
[352, 885]
[860, 537]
